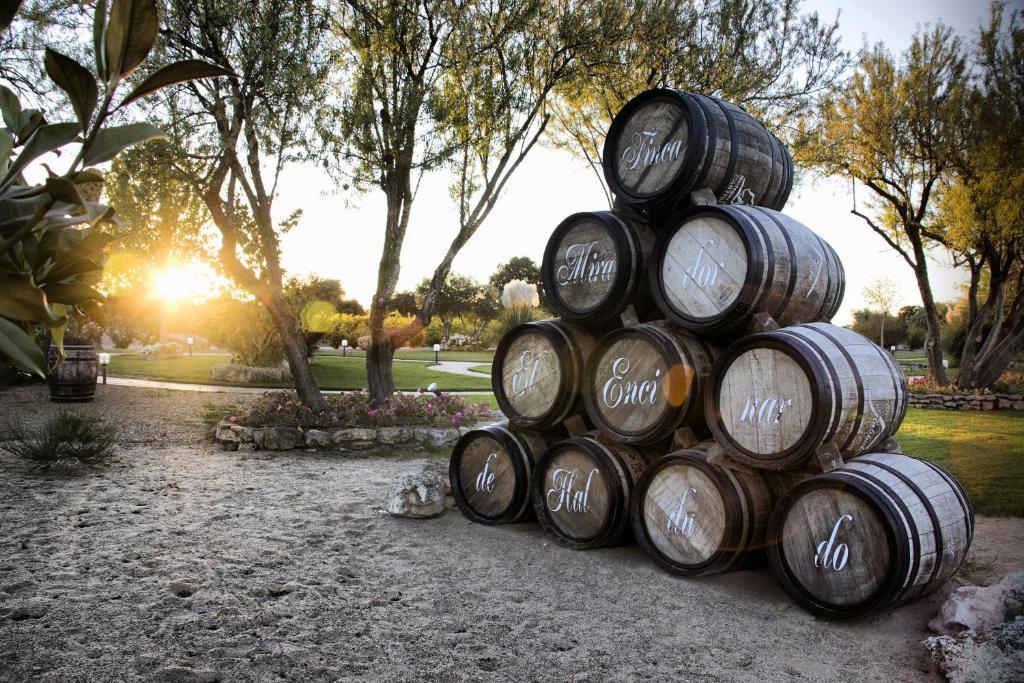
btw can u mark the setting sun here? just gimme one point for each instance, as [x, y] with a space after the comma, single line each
[193, 281]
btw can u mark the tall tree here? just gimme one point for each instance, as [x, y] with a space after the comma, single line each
[236, 135]
[983, 207]
[465, 85]
[883, 294]
[767, 56]
[895, 129]
[518, 268]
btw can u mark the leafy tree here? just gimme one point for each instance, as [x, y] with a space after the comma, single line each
[518, 268]
[404, 303]
[895, 129]
[314, 301]
[234, 136]
[350, 306]
[870, 323]
[982, 208]
[460, 297]
[767, 56]
[883, 295]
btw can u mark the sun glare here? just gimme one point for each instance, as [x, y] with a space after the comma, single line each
[192, 282]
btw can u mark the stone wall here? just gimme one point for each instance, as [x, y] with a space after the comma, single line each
[232, 437]
[968, 401]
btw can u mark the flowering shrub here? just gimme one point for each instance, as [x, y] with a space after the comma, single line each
[161, 351]
[283, 409]
[1008, 383]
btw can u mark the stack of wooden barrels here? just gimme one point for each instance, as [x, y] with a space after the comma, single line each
[692, 393]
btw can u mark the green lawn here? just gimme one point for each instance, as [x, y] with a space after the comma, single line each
[983, 449]
[331, 371]
[422, 354]
[482, 368]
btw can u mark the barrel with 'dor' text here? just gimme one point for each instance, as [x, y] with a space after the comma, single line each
[490, 472]
[537, 373]
[646, 381]
[694, 517]
[664, 144]
[595, 267]
[775, 397]
[582, 488]
[881, 531]
[717, 266]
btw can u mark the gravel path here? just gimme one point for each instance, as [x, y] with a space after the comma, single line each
[181, 562]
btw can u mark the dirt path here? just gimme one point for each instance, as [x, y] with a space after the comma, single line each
[183, 562]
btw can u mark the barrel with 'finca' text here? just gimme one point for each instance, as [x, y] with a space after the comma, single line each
[490, 472]
[716, 266]
[595, 267]
[880, 531]
[537, 372]
[664, 143]
[646, 381]
[582, 488]
[775, 397]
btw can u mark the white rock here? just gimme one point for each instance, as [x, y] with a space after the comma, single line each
[317, 438]
[394, 435]
[418, 495]
[978, 608]
[995, 656]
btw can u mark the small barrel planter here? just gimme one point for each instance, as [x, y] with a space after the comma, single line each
[73, 380]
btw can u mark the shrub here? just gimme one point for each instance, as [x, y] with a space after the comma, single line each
[161, 351]
[1009, 383]
[67, 436]
[283, 409]
[245, 329]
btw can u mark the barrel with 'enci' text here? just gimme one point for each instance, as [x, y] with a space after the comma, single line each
[881, 531]
[665, 143]
[716, 266]
[595, 267]
[582, 489]
[776, 397]
[646, 381]
[537, 372]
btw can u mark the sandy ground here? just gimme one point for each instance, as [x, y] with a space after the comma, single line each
[183, 562]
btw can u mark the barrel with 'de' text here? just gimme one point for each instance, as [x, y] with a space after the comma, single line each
[881, 531]
[582, 488]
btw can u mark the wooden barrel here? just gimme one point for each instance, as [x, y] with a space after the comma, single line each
[582, 490]
[666, 143]
[74, 379]
[490, 472]
[537, 372]
[595, 267]
[646, 381]
[716, 266]
[880, 531]
[775, 397]
[694, 518]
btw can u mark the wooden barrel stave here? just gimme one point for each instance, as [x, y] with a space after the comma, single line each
[490, 472]
[538, 371]
[777, 396]
[881, 531]
[715, 267]
[73, 380]
[595, 267]
[582, 490]
[646, 381]
[665, 143]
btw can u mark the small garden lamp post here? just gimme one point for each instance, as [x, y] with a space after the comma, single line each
[437, 351]
[190, 340]
[104, 362]
[344, 347]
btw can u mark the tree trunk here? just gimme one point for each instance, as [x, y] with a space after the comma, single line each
[933, 342]
[881, 335]
[379, 377]
[295, 352]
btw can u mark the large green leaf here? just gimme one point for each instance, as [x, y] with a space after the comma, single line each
[99, 27]
[178, 72]
[90, 249]
[47, 138]
[75, 80]
[8, 8]
[73, 294]
[21, 299]
[110, 141]
[131, 32]
[64, 190]
[14, 213]
[20, 350]
[10, 107]
[6, 149]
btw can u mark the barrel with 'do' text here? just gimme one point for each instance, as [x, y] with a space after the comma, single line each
[664, 144]
[595, 267]
[881, 531]
[582, 488]
[490, 472]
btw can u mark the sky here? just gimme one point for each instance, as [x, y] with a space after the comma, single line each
[341, 235]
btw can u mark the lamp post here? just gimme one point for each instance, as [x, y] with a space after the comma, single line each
[344, 347]
[190, 341]
[437, 351]
[104, 362]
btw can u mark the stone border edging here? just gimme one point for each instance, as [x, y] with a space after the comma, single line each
[967, 401]
[232, 436]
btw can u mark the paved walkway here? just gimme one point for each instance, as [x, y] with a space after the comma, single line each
[211, 388]
[458, 367]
